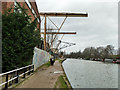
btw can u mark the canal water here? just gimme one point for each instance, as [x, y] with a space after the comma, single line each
[91, 74]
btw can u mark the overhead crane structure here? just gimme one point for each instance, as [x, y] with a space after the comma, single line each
[66, 44]
[59, 32]
[55, 14]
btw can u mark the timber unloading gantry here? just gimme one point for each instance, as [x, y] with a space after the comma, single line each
[57, 14]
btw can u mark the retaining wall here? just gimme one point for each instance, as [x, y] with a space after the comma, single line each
[40, 57]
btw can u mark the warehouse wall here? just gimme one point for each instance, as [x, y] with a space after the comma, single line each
[40, 57]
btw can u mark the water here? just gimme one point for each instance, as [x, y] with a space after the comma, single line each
[91, 74]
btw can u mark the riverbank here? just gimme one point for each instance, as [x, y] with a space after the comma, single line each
[46, 77]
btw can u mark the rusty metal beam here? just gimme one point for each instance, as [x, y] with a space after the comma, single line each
[59, 32]
[54, 14]
[59, 43]
[45, 33]
[53, 23]
[49, 29]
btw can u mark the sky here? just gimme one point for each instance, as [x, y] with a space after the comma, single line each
[100, 28]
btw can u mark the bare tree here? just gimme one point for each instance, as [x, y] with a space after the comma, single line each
[118, 51]
[108, 51]
[92, 52]
[100, 52]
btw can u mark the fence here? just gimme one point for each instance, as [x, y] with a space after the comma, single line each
[13, 76]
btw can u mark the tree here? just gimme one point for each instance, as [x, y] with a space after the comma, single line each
[18, 38]
[118, 51]
[92, 52]
[86, 53]
[108, 51]
[99, 52]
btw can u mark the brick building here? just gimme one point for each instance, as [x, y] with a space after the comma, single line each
[30, 5]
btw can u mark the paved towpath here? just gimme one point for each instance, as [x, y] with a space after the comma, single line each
[43, 78]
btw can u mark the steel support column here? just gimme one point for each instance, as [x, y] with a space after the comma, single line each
[45, 32]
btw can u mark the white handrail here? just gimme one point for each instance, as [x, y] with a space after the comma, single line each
[15, 70]
[16, 76]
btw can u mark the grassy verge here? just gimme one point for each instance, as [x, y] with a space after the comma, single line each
[46, 65]
[67, 82]
[60, 83]
[65, 77]
[61, 60]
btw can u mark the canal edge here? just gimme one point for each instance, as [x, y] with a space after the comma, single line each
[65, 77]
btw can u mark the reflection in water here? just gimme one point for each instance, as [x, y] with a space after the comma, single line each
[91, 74]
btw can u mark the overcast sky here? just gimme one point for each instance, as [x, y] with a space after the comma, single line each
[100, 28]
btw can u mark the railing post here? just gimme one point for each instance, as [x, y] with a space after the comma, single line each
[29, 70]
[33, 68]
[17, 75]
[10, 83]
[24, 73]
[6, 85]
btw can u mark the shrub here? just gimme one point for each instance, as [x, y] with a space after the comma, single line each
[19, 38]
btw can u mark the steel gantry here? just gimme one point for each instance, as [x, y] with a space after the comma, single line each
[55, 14]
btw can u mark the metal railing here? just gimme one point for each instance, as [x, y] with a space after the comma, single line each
[15, 75]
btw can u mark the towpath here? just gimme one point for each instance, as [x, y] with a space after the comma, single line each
[43, 77]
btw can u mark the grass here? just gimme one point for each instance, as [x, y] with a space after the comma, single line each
[57, 59]
[60, 83]
[47, 64]
[66, 79]
[60, 61]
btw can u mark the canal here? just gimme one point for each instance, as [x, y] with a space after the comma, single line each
[91, 74]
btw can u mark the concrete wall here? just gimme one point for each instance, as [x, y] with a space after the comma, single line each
[40, 57]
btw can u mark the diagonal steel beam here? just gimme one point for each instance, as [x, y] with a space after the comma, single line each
[58, 31]
[53, 23]
[59, 43]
